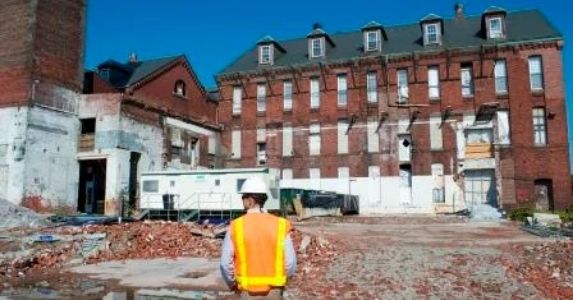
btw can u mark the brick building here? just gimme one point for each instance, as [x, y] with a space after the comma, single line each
[41, 66]
[432, 116]
[141, 116]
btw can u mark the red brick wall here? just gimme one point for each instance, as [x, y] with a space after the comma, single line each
[160, 91]
[41, 40]
[530, 163]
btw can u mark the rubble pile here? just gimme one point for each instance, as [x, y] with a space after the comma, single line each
[153, 240]
[13, 216]
[314, 255]
[549, 266]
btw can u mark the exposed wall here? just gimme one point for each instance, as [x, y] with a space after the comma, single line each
[13, 122]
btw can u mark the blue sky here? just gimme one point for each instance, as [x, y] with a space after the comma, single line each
[214, 33]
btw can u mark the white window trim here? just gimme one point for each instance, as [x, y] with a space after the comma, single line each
[374, 171]
[543, 134]
[368, 40]
[262, 61]
[438, 34]
[372, 88]
[436, 134]
[236, 143]
[237, 99]
[490, 28]
[321, 54]
[529, 60]
[314, 131]
[287, 101]
[342, 90]
[315, 104]
[261, 97]
[403, 93]
[372, 137]
[437, 84]
[471, 82]
[497, 76]
[287, 141]
[344, 172]
[342, 140]
[314, 171]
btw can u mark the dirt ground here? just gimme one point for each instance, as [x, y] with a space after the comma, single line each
[346, 258]
[434, 258]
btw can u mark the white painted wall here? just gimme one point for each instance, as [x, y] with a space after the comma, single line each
[13, 122]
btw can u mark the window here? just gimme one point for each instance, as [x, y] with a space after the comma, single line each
[342, 90]
[179, 88]
[265, 55]
[317, 47]
[373, 171]
[342, 137]
[432, 34]
[261, 97]
[314, 139]
[287, 174]
[372, 87]
[433, 83]
[539, 127]
[536, 73]
[314, 93]
[88, 125]
[503, 129]
[314, 173]
[467, 80]
[373, 139]
[104, 73]
[212, 145]
[261, 153]
[151, 186]
[287, 141]
[287, 94]
[343, 172]
[236, 144]
[237, 99]
[495, 28]
[436, 137]
[404, 147]
[438, 178]
[372, 40]
[176, 152]
[402, 86]
[479, 136]
[500, 74]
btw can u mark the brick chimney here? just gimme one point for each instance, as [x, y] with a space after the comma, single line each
[459, 11]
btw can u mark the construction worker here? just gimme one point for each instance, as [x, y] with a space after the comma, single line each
[257, 254]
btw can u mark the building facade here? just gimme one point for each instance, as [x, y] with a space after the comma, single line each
[41, 66]
[432, 116]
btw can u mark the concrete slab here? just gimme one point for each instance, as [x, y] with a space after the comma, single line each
[196, 273]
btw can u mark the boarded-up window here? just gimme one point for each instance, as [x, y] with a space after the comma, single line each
[342, 137]
[314, 139]
[438, 178]
[314, 93]
[373, 138]
[236, 144]
[237, 99]
[404, 147]
[342, 90]
[436, 138]
[402, 78]
[212, 145]
[314, 173]
[287, 94]
[433, 83]
[287, 141]
[503, 129]
[151, 186]
[287, 174]
[343, 172]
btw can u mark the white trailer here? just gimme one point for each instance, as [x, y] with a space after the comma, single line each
[204, 190]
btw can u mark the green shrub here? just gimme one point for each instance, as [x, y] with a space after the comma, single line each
[566, 215]
[521, 213]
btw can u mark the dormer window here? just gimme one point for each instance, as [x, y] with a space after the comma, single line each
[317, 47]
[104, 73]
[179, 88]
[432, 34]
[495, 26]
[372, 40]
[265, 55]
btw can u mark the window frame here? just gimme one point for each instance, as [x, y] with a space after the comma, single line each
[261, 97]
[540, 127]
[269, 60]
[342, 90]
[287, 97]
[372, 87]
[287, 139]
[369, 40]
[437, 34]
[320, 47]
[467, 86]
[435, 87]
[314, 95]
[180, 92]
[237, 100]
[314, 136]
[402, 85]
[497, 77]
[540, 74]
[342, 136]
[491, 33]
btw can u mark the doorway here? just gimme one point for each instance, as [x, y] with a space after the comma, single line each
[544, 194]
[133, 186]
[479, 187]
[91, 194]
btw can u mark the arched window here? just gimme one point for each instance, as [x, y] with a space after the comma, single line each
[179, 88]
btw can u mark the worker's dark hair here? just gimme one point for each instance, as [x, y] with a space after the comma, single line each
[259, 198]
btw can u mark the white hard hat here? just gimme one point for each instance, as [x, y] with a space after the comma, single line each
[254, 185]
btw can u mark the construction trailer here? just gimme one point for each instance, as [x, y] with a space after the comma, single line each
[199, 192]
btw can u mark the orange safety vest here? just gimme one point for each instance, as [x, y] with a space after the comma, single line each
[258, 239]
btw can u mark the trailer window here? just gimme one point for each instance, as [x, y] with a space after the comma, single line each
[150, 186]
[240, 183]
[217, 182]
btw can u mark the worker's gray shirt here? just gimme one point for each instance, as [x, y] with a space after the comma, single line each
[228, 253]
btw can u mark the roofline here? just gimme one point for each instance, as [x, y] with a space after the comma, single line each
[398, 54]
[208, 171]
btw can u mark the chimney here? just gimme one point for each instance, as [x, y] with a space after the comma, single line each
[133, 58]
[459, 9]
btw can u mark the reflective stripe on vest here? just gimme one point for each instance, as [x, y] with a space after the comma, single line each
[247, 282]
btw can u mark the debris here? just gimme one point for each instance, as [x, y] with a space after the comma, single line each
[46, 238]
[14, 216]
[549, 220]
[484, 213]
